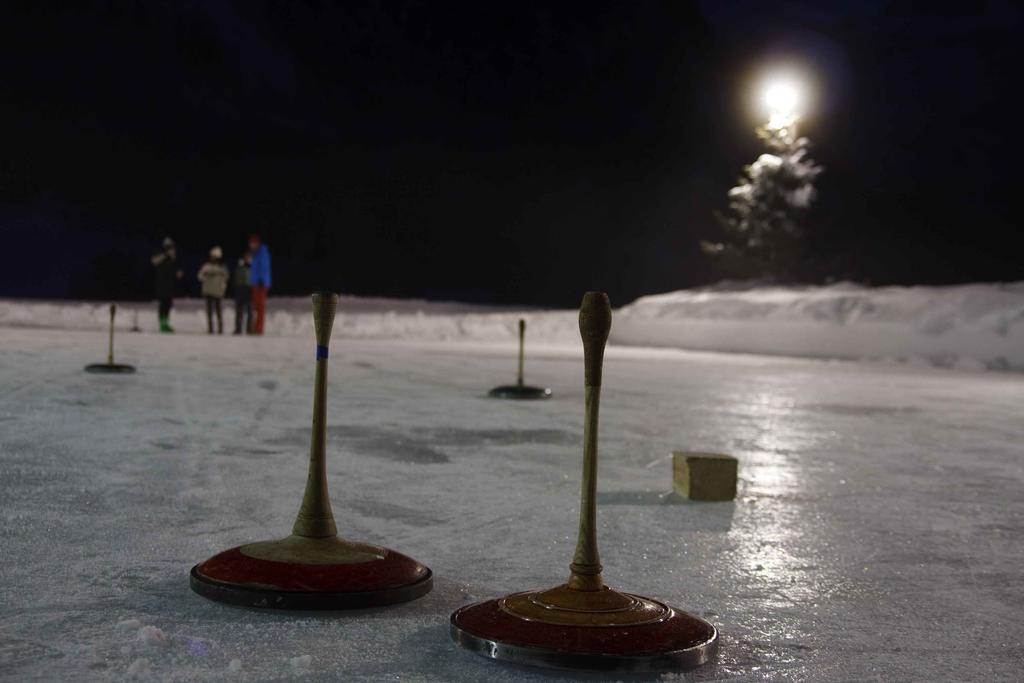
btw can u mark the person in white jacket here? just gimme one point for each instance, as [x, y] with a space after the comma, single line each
[214, 276]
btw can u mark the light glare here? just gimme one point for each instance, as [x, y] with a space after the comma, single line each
[782, 98]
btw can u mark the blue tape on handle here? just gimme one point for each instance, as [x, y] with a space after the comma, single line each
[321, 352]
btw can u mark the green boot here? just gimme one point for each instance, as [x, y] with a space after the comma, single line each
[165, 325]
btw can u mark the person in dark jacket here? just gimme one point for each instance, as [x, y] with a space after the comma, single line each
[259, 279]
[243, 295]
[167, 276]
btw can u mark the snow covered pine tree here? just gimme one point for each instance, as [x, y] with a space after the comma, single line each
[763, 226]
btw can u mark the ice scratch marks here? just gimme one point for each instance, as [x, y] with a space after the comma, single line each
[391, 511]
[461, 436]
[388, 446]
[422, 445]
[243, 451]
[861, 410]
[75, 402]
[376, 442]
[16, 653]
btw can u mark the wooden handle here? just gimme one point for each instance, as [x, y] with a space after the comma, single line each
[110, 347]
[325, 304]
[522, 335]
[595, 323]
[315, 518]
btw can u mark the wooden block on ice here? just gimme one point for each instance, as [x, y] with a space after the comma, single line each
[704, 476]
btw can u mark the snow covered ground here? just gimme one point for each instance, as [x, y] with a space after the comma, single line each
[967, 327]
[878, 532]
[365, 318]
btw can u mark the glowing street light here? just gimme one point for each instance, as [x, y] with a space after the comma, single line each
[782, 97]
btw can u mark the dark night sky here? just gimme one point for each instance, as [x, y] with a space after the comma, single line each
[517, 152]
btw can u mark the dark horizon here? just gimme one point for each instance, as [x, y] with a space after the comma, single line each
[509, 153]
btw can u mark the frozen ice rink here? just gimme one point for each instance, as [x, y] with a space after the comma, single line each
[878, 532]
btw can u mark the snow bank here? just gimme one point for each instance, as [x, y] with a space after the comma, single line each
[979, 326]
[967, 326]
[358, 317]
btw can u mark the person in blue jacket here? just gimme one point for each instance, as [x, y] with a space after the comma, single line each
[259, 280]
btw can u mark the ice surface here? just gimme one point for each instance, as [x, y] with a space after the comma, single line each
[878, 532]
